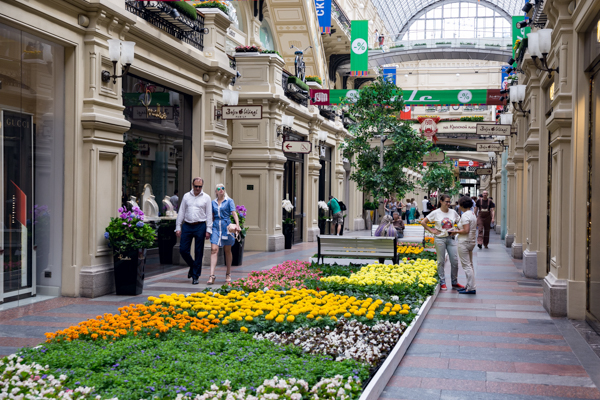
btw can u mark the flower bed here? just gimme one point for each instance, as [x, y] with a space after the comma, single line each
[322, 334]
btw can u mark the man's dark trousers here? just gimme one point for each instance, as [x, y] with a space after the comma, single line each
[189, 232]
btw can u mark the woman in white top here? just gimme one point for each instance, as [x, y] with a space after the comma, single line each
[444, 219]
[467, 229]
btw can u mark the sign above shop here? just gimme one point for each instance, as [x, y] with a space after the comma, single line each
[296, 146]
[434, 157]
[242, 112]
[496, 147]
[160, 113]
[483, 171]
[493, 130]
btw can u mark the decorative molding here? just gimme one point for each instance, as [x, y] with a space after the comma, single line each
[111, 25]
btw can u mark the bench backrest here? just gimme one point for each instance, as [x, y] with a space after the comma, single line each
[373, 229]
[353, 246]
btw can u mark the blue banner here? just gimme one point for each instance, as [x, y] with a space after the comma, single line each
[505, 84]
[324, 15]
[389, 74]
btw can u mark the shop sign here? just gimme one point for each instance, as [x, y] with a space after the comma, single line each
[469, 163]
[319, 97]
[483, 171]
[324, 15]
[242, 112]
[434, 157]
[493, 130]
[296, 146]
[160, 113]
[495, 147]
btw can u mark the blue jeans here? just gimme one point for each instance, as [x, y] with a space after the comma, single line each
[198, 233]
[443, 245]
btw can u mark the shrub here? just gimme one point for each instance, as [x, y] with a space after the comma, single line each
[186, 8]
[213, 4]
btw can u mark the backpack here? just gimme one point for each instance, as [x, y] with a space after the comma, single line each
[342, 205]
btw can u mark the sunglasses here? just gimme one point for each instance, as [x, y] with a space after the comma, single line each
[447, 202]
[197, 187]
[221, 188]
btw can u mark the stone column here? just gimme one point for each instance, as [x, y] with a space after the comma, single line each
[511, 187]
[520, 183]
[312, 184]
[498, 193]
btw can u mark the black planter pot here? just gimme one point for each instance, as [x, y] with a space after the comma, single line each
[237, 252]
[166, 241]
[288, 233]
[129, 272]
[322, 224]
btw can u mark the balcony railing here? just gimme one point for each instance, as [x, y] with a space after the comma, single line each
[341, 17]
[478, 43]
[292, 91]
[159, 14]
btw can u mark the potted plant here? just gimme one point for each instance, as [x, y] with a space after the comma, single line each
[129, 237]
[248, 49]
[314, 81]
[166, 240]
[323, 210]
[288, 224]
[212, 4]
[237, 250]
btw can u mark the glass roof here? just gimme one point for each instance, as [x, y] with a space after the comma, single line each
[398, 14]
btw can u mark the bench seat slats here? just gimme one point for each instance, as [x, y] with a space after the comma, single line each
[357, 247]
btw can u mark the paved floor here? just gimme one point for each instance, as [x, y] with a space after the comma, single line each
[498, 344]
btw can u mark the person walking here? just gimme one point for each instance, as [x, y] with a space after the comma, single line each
[194, 222]
[412, 211]
[398, 224]
[175, 199]
[444, 219]
[426, 206]
[392, 206]
[223, 208]
[467, 228]
[485, 209]
[407, 206]
[335, 208]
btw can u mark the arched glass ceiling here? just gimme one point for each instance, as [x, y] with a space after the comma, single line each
[459, 20]
[398, 14]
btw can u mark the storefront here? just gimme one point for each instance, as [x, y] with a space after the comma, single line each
[157, 157]
[293, 188]
[32, 150]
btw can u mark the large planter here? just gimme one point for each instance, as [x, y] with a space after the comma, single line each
[237, 252]
[288, 233]
[167, 239]
[129, 272]
[322, 224]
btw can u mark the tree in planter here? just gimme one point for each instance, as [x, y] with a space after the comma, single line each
[440, 177]
[375, 112]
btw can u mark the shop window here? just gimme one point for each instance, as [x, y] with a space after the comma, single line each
[32, 150]
[157, 152]
[266, 37]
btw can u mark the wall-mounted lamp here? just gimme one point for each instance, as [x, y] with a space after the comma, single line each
[506, 119]
[528, 6]
[492, 156]
[119, 51]
[322, 136]
[287, 121]
[539, 44]
[517, 96]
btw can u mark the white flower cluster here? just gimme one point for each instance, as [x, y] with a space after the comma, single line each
[323, 205]
[336, 388]
[349, 340]
[287, 205]
[28, 381]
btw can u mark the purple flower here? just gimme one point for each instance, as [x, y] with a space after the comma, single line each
[106, 235]
[125, 223]
[139, 224]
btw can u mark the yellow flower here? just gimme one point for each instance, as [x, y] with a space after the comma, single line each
[244, 329]
[290, 318]
[249, 318]
[279, 319]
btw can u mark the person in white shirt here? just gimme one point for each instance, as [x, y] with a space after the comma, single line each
[194, 221]
[467, 228]
[426, 209]
[444, 219]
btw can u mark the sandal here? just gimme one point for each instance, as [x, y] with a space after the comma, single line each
[228, 278]
[211, 280]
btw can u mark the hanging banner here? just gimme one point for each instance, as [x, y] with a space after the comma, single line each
[406, 113]
[505, 84]
[518, 34]
[389, 74]
[359, 56]
[319, 97]
[324, 15]
[430, 97]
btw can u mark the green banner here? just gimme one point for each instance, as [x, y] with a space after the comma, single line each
[518, 34]
[359, 56]
[425, 97]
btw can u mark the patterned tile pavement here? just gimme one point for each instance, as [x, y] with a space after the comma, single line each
[497, 344]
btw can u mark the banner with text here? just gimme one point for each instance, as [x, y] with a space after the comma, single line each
[359, 49]
[518, 34]
[324, 15]
[430, 97]
[389, 74]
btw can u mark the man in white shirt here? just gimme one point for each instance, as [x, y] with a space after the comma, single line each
[425, 208]
[194, 221]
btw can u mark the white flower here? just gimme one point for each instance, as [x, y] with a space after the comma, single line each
[287, 205]
[323, 205]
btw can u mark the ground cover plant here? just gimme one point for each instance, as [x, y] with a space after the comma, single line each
[317, 331]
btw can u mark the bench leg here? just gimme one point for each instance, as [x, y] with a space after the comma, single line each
[381, 260]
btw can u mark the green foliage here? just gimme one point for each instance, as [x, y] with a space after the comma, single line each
[271, 52]
[129, 232]
[212, 4]
[474, 118]
[182, 362]
[335, 269]
[375, 111]
[371, 205]
[314, 78]
[185, 8]
[298, 82]
[419, 44]
[440, 177]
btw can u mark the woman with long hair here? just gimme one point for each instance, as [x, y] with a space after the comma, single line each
[444, 219]
[223, 208]
[386, 227]
[467, 229]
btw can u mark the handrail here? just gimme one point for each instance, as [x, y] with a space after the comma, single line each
[341, 16]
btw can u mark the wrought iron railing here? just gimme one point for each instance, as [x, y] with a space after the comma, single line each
[159, 14]
[292, 91]
[327, 112]
[341, 16]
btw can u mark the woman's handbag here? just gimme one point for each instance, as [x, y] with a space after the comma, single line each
[233, 231]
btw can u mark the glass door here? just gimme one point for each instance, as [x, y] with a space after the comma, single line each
[294, 190]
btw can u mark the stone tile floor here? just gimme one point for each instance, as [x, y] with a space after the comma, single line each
[498, 344]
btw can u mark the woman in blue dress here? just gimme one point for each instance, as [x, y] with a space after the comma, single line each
[223, 208]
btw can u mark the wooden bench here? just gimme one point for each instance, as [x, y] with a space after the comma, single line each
[358, 247]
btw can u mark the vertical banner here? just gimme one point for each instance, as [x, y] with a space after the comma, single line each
[518, 34]
[406, 112]
[359, 56]
[324, 15]
[504, 82]
[389, 74]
